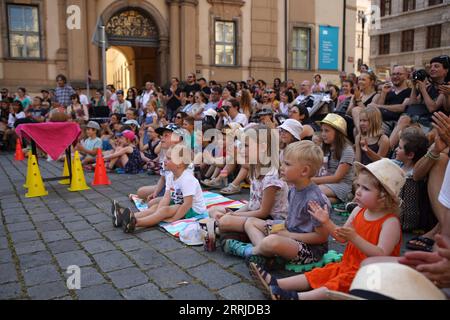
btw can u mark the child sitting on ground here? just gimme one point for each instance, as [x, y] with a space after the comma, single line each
[268, 193]
[183, 198]
[170, 136]
[373, 230]
[88, 148]
[371, 144]
[302, 239]
[126, 155]
[150, 151]
[337, 186]
[412, 147]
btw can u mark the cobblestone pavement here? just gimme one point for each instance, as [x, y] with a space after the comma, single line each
[41, 237]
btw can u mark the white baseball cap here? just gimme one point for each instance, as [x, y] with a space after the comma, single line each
[211, 113]
[192, 235]
[294, 127]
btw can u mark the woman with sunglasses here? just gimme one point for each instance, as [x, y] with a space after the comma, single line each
[199, 106]
[179, 119]
[301, 114]
[189, 102]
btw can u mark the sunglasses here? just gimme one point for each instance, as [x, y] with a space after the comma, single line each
[178, 117]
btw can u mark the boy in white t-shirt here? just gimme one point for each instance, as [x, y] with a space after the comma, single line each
[183, 198]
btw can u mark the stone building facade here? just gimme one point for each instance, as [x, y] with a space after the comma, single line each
[409, 32]
[159, 39]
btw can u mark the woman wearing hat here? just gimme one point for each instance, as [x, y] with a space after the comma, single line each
[290, 132]
[340, 156]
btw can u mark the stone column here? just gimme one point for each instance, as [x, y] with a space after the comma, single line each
[94, 53]
[163, 61]
[175, 30]
[77, 41]
[188, 36]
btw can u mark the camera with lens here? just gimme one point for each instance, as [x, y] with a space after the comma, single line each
[419, 75]
[223, 109]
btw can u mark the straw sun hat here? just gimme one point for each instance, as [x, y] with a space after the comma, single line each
[389, 281]
[390, 175]
[335, 121]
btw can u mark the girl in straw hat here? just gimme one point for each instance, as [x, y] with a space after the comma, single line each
[373, 230]
[337, 186]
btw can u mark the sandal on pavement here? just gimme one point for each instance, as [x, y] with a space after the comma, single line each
[230, 190]
[213, 184]
[277, 293]
[420, 244]
[261, 279]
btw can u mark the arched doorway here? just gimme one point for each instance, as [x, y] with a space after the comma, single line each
[118, 68]
[137, 50]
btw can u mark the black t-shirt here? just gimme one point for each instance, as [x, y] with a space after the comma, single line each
[392, 99]
[188, 88]
[173, 103]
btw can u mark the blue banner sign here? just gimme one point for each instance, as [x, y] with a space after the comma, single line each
[328, 48]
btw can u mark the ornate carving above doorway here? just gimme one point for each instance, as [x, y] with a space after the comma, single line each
[132, 27]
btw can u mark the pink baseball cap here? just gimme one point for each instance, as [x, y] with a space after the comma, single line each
[127, 134]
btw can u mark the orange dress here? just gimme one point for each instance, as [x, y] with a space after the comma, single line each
[339, 276]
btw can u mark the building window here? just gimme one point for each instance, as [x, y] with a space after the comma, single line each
[23, 27]
[434, 2]
[386, 7]
[409, 5]
[408, 40]
[434, 36]
[385, 43]
[225, 48]
[301, 42]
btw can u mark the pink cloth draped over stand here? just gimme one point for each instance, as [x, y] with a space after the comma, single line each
[52, 137]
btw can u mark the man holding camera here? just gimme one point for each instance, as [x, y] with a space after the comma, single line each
[427, 96]
[229, 113]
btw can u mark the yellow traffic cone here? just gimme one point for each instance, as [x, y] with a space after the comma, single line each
[36, 186]
[30, 159]
[65, 173]
[78, 180]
